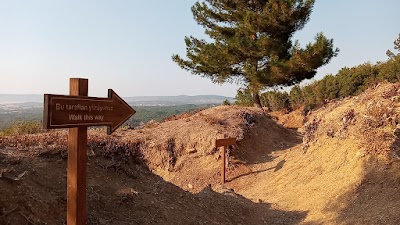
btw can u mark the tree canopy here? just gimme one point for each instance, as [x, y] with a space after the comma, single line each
[347, 82]
[251, 43]
[396, 46]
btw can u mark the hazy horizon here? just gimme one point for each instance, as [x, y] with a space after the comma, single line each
[38, 98]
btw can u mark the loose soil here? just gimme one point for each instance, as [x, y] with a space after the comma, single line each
[337, 165]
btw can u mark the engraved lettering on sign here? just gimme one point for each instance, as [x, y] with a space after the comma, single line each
[88, 117]
[63, 111]
[77, 107]
[59, 106]
[100, 108]
[99, 118]
[85, 117]
[75, 117]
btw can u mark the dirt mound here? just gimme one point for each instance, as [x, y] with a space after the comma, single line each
[349, 152]
[372, 118]
[343, 168]
[183, 151]
[294, 119]
[33, 191]
[123, 190]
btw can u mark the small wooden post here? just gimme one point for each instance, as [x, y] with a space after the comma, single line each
[222, 142]
[77, 158]
[223, 152]
[223, 163]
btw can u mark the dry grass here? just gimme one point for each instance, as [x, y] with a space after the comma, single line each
[55, 144]
[268, 164]
[309, 133]
[370, 118]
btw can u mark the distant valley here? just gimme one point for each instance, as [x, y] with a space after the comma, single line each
[30, 107]
[6, 99]
[177, 100]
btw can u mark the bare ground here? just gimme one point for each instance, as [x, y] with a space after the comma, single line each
[342, 168]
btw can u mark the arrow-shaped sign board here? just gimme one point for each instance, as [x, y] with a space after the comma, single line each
[65, 111]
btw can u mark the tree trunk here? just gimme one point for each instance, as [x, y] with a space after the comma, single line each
[256, 100]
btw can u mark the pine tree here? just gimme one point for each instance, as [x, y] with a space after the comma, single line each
[251, 44]
[296, 96]
[243, 97]
[396, 43]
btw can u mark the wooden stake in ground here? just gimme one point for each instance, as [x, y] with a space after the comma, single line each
[77, 157]
[222, 142]
[77, 111]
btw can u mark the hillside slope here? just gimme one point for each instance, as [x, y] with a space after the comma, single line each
[343, 168]
[33, 191]
[183, 150]
[345, 171]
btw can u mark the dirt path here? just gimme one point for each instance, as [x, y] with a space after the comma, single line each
[124, 194]
[343, 170]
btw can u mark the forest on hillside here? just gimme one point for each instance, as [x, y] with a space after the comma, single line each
[348, 81]
[29, 119]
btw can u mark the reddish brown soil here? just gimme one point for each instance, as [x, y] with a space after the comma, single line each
[294, 119]
[343, 168]
[125, 194]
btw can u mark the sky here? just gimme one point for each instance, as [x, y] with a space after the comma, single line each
[127, 45]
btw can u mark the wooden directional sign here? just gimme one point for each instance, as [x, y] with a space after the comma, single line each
[77, 111]
[66, 111]
[225, 142]
[222, 143]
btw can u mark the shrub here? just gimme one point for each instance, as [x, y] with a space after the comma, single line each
[309, 95]
[244, 97]
[327, 88]
[276, 100]
[390, 70]
[296, 97]
[226, 102]
[23, 127]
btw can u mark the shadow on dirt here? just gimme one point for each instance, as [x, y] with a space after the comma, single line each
[275, 168]
[375, 200]
[265, 137]
[127, 194]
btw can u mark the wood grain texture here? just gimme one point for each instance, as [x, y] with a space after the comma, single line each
[67, 111]
[225, 142]
[223, 172]
[221, 143]
[77, 159]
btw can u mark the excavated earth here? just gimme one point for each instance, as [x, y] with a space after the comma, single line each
[339, 164]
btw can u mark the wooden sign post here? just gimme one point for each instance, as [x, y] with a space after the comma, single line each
[223, 142]
[77, 111]
[77, 157]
